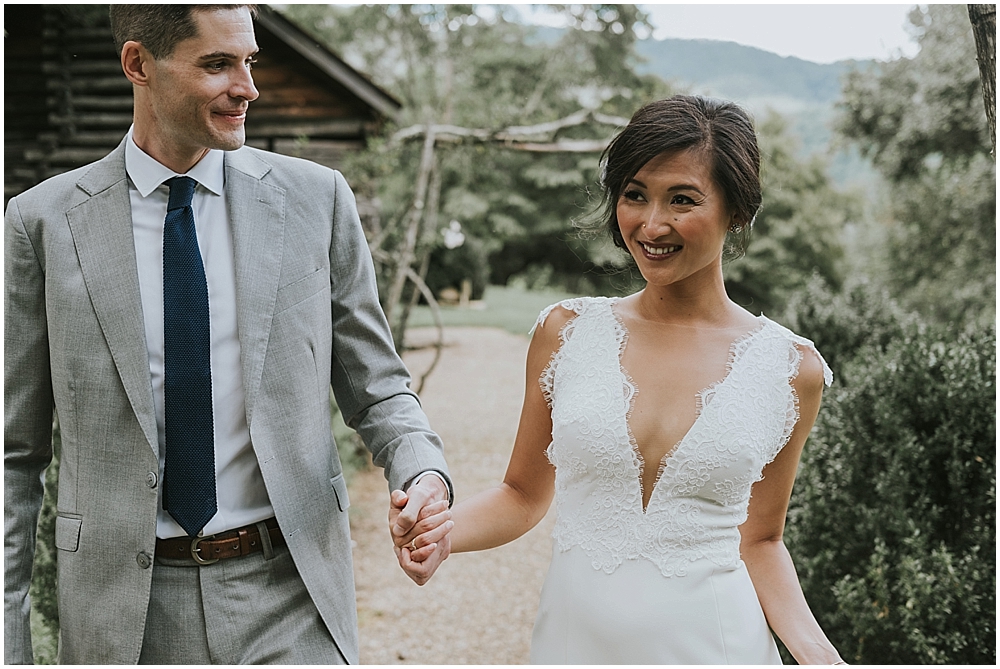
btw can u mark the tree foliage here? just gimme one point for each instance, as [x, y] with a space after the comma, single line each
[921, 120]
[797, 233]
[893, 519]
[43, 592]
[522, 214]
[482, 68]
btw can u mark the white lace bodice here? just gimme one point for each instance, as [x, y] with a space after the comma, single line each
[703, 488]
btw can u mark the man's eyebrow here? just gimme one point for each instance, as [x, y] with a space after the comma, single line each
[224, 55]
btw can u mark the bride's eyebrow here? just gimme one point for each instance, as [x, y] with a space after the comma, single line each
[636, 182]
[680, 187]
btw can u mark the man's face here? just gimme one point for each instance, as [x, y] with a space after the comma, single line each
[199, 94]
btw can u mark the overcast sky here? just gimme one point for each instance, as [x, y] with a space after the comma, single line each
[820, 33]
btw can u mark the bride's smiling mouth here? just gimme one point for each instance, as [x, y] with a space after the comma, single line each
[660, 251]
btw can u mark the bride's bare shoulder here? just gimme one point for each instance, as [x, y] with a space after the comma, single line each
[556, 319]
[809, 380]
[546, 333]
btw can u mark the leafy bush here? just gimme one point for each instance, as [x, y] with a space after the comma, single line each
[893, 519]
[44, 597]
[449, 267]
[840, 324]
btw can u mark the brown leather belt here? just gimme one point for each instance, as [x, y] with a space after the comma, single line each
[234, 543]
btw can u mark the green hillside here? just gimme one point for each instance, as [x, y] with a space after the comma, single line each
[805, 93]
[736, 71]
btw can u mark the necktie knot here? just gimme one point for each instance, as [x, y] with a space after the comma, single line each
[181, 192]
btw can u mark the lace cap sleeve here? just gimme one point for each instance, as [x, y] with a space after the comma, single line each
[547, 380]
[827, 372]
[541, 318]
[575, 305]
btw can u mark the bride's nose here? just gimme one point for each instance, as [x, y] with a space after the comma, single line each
[657, 224]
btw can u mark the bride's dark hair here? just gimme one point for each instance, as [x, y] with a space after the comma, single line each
[722, 129]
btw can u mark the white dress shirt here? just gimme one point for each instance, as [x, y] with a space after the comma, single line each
[240, 492]
[241, 495]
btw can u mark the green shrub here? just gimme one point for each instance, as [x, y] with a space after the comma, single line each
[841, 323]
[44, 597]
[893, 519]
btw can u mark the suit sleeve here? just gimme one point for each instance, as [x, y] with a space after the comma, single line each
[28, 408]
[370, 382]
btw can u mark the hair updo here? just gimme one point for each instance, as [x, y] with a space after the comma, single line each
[720, 129]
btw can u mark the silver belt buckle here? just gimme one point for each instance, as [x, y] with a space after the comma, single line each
[195, 550]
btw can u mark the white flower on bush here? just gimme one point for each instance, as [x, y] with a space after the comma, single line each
[453, 235]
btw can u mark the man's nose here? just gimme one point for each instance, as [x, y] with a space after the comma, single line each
[242, 86]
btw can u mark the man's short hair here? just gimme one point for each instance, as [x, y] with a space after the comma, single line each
[159, 28]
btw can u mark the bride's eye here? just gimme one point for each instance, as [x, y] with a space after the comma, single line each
[681, 199]
[633, 195]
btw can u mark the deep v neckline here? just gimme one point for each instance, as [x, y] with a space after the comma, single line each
[630, 389]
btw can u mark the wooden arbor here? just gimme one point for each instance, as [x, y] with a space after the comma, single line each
[67, 102]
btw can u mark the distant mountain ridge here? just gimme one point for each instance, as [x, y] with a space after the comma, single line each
[733, 70]
[802, 91]
[805, 93]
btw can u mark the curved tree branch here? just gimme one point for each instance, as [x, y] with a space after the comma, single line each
[538, 138]
[432, 302]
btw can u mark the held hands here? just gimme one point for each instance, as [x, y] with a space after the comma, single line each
[419, 522]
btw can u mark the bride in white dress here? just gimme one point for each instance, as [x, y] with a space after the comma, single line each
[667, 425]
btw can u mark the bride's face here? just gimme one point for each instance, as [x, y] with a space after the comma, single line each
[674, 218]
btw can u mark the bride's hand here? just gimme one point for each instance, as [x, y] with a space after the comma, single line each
[433, 524]
[422, 543]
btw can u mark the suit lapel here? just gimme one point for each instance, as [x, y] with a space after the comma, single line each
[256, 214]
[102, 233]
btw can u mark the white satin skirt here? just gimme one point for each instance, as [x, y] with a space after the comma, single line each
[637, 616]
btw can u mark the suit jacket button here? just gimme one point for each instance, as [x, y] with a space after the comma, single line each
[143, 560]
[151, 479]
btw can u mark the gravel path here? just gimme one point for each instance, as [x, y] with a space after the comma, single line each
[480, 607]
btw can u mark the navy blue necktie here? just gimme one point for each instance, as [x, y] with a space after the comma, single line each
[189, 467]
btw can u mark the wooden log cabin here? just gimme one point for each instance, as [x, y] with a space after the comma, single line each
[67, 103]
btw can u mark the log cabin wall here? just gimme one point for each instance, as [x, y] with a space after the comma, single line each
[67, 103]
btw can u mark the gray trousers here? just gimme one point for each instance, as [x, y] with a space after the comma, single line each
[244, 610]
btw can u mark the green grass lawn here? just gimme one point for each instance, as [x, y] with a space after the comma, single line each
[509, 308]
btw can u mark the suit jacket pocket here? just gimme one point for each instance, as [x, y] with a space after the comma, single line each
[340, 490]
[68, 533]
[301, 290]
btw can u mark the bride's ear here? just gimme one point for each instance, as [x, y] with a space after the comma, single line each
[736, 223]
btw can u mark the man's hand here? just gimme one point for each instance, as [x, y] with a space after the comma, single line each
[419, 522]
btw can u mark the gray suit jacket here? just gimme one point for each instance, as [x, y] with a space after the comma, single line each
[308, 318]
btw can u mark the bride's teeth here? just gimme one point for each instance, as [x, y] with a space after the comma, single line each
[658, 251]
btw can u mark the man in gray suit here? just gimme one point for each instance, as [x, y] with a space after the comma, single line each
[184, 306]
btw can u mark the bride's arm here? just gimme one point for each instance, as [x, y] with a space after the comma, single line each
[762, 549]
[499, 515]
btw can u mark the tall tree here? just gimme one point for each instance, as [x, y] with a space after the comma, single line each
[984, 27]
[482, 68]
[798, 232]
[522, 213]
[922, 123]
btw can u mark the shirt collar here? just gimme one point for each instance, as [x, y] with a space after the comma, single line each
[147, 173]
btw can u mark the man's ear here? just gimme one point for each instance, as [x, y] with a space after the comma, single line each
[136, 61]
